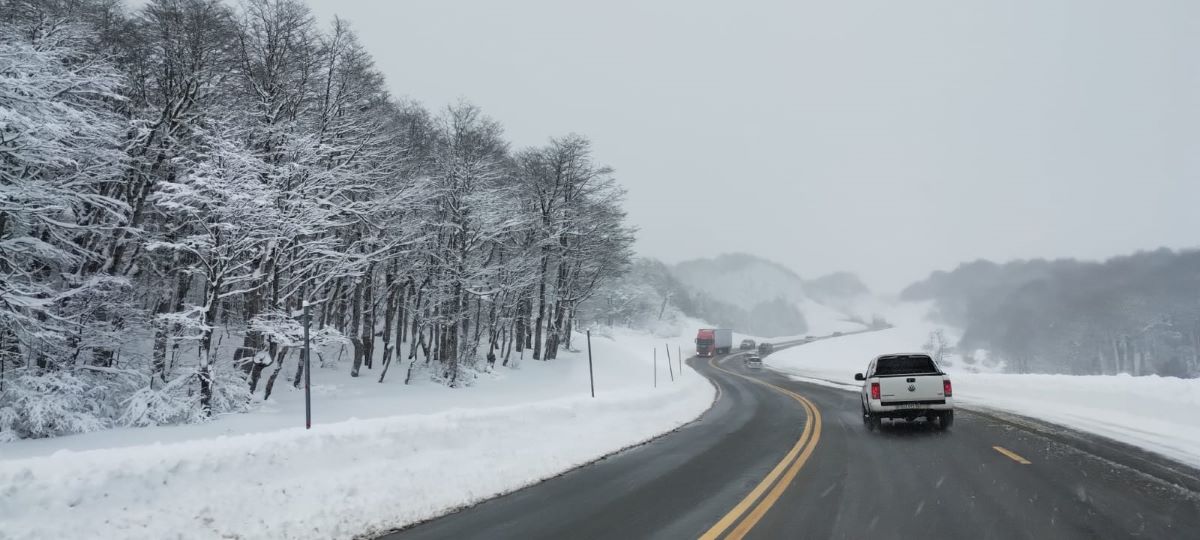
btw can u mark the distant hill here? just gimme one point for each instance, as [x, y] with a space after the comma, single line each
[836, 286]
[750, 294]
[741, 279]
[1136, 314]
[843, 293]
[774, 300]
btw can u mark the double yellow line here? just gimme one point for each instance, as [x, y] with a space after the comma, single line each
[755, 505]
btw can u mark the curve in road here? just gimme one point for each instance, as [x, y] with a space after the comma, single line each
[779, 458]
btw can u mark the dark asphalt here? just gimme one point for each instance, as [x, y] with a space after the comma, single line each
[906, 481]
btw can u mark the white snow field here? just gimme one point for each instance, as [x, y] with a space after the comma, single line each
[1154, 413]
[823, 320]
[379, 456]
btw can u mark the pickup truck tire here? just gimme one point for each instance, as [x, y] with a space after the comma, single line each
[871, 421]
[945, 420]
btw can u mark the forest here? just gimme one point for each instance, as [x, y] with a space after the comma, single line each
[1137, 314]
[182, 181]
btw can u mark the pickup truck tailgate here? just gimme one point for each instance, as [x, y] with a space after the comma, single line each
[910, 388]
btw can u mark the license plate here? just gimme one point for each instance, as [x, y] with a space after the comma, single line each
[911, 406]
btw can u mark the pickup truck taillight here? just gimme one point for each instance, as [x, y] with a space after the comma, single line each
[874, 390]
[946, 388]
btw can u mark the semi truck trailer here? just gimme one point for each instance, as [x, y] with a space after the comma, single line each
[710, 341]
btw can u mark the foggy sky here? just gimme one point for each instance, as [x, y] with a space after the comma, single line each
[889, 138]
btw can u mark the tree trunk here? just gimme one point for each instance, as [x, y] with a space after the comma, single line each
[477, 334]
[255, 374]
[402, 323]
[158, 355]
[355, 324]
[333, 301]
[205, 375]
[368, 326]
[508, 350]
[282, 355]
[554, 333]
[389, 312]
[415, 331]
[569, 328]
[205, 360]
[537, 329]
[520, 322]
[387, 361]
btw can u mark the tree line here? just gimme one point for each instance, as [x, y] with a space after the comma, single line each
[1137, 314]
[178, 181]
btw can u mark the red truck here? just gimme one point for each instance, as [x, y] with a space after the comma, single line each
[711, 341]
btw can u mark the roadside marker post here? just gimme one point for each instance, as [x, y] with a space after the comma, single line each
[670, 366]
[591, 376]
[679, 352]
[307, 370]
[656, 367]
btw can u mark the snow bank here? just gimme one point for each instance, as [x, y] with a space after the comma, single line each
[357, 476]
[1154, 413]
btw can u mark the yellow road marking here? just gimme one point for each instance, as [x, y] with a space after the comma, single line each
[1011, 455]
[777, 492]
[788, 467]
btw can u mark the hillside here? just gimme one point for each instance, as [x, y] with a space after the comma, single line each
[762, 297]
[741, 279]
[1134, 314]
[835, 287]
[750, 294]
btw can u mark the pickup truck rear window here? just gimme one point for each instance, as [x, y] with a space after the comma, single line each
[914, 364]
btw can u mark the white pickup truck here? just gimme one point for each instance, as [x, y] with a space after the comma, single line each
[906, 386]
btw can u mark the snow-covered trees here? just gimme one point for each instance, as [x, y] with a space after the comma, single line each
[60, 141]
[177, 180]
[1136, 314]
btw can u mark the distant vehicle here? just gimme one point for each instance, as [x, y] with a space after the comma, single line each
[765, 348]
[747, 345]
[906, 386]
[710, 341]
[753, 361]
[836, 334]
[809, 338]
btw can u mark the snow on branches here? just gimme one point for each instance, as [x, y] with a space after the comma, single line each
[179, 180]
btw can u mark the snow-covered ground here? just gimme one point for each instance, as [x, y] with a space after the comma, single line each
[823, 320]
[379, 456]
[1155, 413]
[820, 320]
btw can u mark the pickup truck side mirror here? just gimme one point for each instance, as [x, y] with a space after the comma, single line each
[859, 377]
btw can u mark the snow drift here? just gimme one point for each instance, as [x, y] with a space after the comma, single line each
[358, 476]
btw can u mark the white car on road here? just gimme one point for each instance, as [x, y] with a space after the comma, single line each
[906, 386]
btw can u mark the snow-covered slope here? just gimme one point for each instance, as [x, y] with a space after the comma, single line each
[742, 280]
[833, 288]
[1155, 413]
[824, 320]
[770, 299]
[379, 455]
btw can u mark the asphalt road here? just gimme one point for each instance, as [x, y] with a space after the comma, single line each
[776, 458]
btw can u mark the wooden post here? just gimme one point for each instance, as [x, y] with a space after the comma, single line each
[307, 371]
[670, 367]
[591, 376]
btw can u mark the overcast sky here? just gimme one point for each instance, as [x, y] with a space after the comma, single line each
[889, 138]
